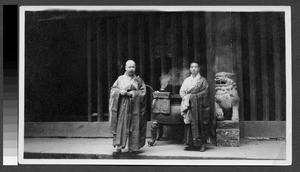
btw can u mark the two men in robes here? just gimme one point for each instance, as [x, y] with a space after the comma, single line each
[195, 109]
[127, 107]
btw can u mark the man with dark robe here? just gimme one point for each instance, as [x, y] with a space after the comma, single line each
[127, 111]
[195, 109]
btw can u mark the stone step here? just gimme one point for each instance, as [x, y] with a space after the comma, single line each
[30, 155]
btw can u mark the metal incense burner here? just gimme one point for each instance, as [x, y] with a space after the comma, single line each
[165, 111]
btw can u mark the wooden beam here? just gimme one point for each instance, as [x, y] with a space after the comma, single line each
[277, 68]
[152, 50]
[237, 55]
[264, 67]
[163, 50]
[196, 28]
[89, 68]
[141, 41]
[185, 41]
[251, 49]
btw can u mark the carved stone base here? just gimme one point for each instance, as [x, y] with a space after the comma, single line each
[228, 133]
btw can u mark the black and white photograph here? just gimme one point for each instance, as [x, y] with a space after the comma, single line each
[155, 85]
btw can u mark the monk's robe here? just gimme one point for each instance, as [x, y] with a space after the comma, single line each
[127, 113]
[195, 110]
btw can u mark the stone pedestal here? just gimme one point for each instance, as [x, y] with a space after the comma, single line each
[228, 133]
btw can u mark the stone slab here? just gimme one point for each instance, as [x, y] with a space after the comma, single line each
[89, 148]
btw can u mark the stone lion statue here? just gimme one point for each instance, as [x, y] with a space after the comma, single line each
[226, 95]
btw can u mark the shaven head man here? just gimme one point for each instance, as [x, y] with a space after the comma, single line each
[127, 98]
[130, 67]
[194, 68]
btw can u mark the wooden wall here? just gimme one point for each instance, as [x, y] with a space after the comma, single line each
[251, 45]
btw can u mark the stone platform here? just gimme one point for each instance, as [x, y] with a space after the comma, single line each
[228, 133]
[63, 149]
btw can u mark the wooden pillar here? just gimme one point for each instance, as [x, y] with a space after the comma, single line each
[210, 55]
[196, 29]
[223, 29]
[163, 49]
[141, 46]
[277, 68]
[237, 48]
[264, 67]
[251, 48]
[185, 41]
[152, 50]
[89, 68]
[99, 72]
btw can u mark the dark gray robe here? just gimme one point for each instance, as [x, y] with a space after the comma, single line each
[127, 114]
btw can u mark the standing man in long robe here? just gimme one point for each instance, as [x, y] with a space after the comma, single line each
[195, 109]
[127, 111]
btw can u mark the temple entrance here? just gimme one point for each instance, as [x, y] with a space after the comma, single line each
[72, 59]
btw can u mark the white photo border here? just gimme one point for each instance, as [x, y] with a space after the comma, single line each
[288, 67]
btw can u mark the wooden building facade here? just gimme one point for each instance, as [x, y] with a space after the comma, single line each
[73, 58]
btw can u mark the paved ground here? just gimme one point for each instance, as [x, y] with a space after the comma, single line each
[99, 148]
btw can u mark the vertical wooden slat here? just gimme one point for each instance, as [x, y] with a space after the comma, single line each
[141, 46]
[196, 29]
[119, 45]
[109, 53]
[89, 68]
[281, 35]
[152, 50]
[99, 73]
[174, 47]
[185, 40]
[163, 37]
[277, 68]
[210, 55]
[251, 48]
[130, 37]
[237, 36]
[264, 67]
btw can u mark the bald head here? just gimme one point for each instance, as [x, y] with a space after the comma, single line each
[130, 67]
[130, 62]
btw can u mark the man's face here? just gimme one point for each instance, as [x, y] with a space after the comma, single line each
[194, 68]
[130, 68]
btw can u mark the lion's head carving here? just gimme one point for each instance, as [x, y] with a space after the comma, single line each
[226, 95]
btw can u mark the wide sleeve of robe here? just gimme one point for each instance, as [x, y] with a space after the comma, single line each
[113, 106]
[139, 107]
